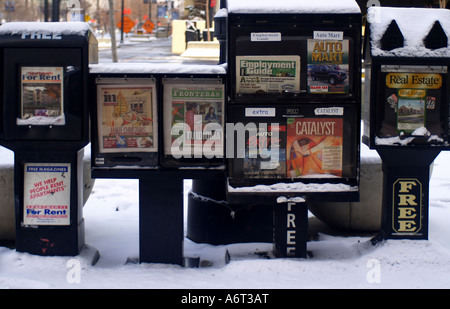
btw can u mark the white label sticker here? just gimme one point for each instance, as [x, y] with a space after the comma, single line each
[331, 111]
[329, 35]
[259, 112]
[265, 37]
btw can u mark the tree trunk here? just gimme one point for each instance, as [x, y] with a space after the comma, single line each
[112, 28]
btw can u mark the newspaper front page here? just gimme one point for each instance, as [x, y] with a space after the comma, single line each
[42, 96]
[267, 74]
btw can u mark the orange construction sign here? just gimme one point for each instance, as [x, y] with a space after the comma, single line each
[148, 26]
[128, 24]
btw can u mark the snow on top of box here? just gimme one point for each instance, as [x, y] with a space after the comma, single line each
[156, 68]
[61, 28]
[414, 23]
[293, 6]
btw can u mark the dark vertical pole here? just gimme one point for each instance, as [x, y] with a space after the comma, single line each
[161, 228]
[55, 10]
[45, 10]
[121, 27]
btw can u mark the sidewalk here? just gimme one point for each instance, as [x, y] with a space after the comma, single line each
[158, 50]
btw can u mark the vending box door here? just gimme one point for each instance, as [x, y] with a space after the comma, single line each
[290, 143]
[193, 122]
[125, 128]
[411, 105]
[44, 95]
[294, 57]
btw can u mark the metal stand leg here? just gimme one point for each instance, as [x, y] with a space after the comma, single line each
[405, 194]
[161, 228]
[290, 229]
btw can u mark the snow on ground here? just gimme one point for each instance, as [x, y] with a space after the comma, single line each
[111, 218]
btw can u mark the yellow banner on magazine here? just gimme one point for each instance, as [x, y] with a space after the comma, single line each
[414, 80]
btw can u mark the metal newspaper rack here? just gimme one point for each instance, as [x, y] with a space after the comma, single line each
[45, 121]
[141, 129]
[294, 88]
[406, 109]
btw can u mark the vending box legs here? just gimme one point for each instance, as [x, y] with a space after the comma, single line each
[406, 181]
[290, 229]
[161, 229]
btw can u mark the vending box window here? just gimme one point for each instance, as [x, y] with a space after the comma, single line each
[126, 130]
[305, 51]
[293, 149]
[45, 121]
[194, 121]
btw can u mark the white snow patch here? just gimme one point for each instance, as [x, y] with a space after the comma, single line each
[293, 7]
[156, 68]
[414, 23]
[62, 28]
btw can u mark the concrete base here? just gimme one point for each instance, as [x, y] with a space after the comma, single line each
[202, 49]
[362, 216]
[7, 209]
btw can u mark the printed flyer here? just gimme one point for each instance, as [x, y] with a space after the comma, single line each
[47, 194]
[314, 146]
[328, 67]
[267, 74]
[197, 120]
[126, 116]
[42, 97]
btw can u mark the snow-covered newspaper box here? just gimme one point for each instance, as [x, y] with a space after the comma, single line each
[293, 114]
[406, 108]
[45, 121]
[160, 124]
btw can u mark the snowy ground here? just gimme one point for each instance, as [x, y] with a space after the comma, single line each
[111, 220]
[111, 216]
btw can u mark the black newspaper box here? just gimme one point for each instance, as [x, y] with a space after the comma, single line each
[45, 121]
[160, 124]
[406, 108]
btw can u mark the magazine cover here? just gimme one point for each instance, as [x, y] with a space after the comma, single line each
[267, 74]
[265, 153]
[412, 101]
[314, 147]
[126, 118]
[196, 126]
[328, 66]
[47, 194]
[42, 96]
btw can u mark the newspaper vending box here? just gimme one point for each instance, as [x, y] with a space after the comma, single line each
[406, 109]
[294, 107]
[160, 124]
[45, 122]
